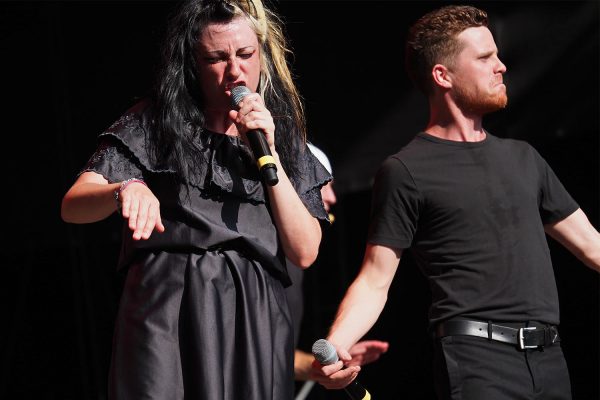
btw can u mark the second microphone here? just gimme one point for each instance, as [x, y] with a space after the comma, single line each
[326, 354]
[258, 142]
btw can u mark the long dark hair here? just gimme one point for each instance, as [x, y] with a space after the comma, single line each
[177, 98]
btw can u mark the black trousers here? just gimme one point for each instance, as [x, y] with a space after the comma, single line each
[473, 368]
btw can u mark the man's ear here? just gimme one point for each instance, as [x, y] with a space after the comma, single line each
[441, 76]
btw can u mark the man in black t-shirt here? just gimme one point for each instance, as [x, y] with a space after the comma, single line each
[474, 209]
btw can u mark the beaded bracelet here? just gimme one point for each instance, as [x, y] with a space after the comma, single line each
[122, 187]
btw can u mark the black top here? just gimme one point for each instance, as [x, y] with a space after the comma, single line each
[473, 214]
[224, 203]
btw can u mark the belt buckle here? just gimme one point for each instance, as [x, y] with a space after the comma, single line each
[522, 345]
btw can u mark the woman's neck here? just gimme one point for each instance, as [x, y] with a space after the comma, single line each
[220, 122]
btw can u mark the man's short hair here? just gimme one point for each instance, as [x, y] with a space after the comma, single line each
[432, 40]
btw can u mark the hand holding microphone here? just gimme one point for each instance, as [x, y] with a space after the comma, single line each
[326, 354]
[258, 142]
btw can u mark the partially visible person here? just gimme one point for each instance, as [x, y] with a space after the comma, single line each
[203, 312]
[363, 352]
[475, 210]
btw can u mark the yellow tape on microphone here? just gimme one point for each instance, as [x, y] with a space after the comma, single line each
[264, 160]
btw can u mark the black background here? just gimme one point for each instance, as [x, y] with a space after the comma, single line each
[70, 68]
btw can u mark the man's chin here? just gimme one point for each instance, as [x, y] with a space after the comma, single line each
[495, 104]
[501, 102]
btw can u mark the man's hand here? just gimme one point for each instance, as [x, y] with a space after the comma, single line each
[367, 351]
[335, 376]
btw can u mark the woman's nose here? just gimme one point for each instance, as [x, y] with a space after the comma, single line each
[233, 68]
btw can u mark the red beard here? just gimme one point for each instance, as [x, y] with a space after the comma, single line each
[473, 101]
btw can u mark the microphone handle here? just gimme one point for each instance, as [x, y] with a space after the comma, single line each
[356, 392]
[263, 156]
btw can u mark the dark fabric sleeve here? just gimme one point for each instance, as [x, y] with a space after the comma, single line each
[312, 177]
[314, 203]
[555, 203]
[114, 162]
[394, 207]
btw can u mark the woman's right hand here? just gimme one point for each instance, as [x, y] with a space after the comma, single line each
[142, 210]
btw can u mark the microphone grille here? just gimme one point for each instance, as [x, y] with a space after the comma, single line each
[238, 93]
[324, 352]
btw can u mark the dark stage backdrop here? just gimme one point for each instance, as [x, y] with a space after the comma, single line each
[70, 68]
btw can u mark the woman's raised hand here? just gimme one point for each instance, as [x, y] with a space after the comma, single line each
[253, 115]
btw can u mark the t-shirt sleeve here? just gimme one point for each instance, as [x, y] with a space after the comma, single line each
[394, 207]
[555, 203]
[113, 161]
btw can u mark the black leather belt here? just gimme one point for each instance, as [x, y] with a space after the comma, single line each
[530, 337]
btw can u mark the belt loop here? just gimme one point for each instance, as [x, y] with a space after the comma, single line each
[489, 330]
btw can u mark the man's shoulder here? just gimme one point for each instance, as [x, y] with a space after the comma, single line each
[508, 141]
[414, 147]
[417, 151]
[397, 162]
[514, 146]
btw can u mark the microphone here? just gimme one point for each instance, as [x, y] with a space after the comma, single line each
[325, 354]
[258, 142]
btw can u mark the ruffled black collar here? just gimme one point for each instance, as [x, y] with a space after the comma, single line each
[225, 162]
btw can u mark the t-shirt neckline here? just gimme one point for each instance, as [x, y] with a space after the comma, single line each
[456, 143]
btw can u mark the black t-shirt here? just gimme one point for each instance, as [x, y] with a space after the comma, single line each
[473, 215]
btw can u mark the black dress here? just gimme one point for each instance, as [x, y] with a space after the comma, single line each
[203, 313]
